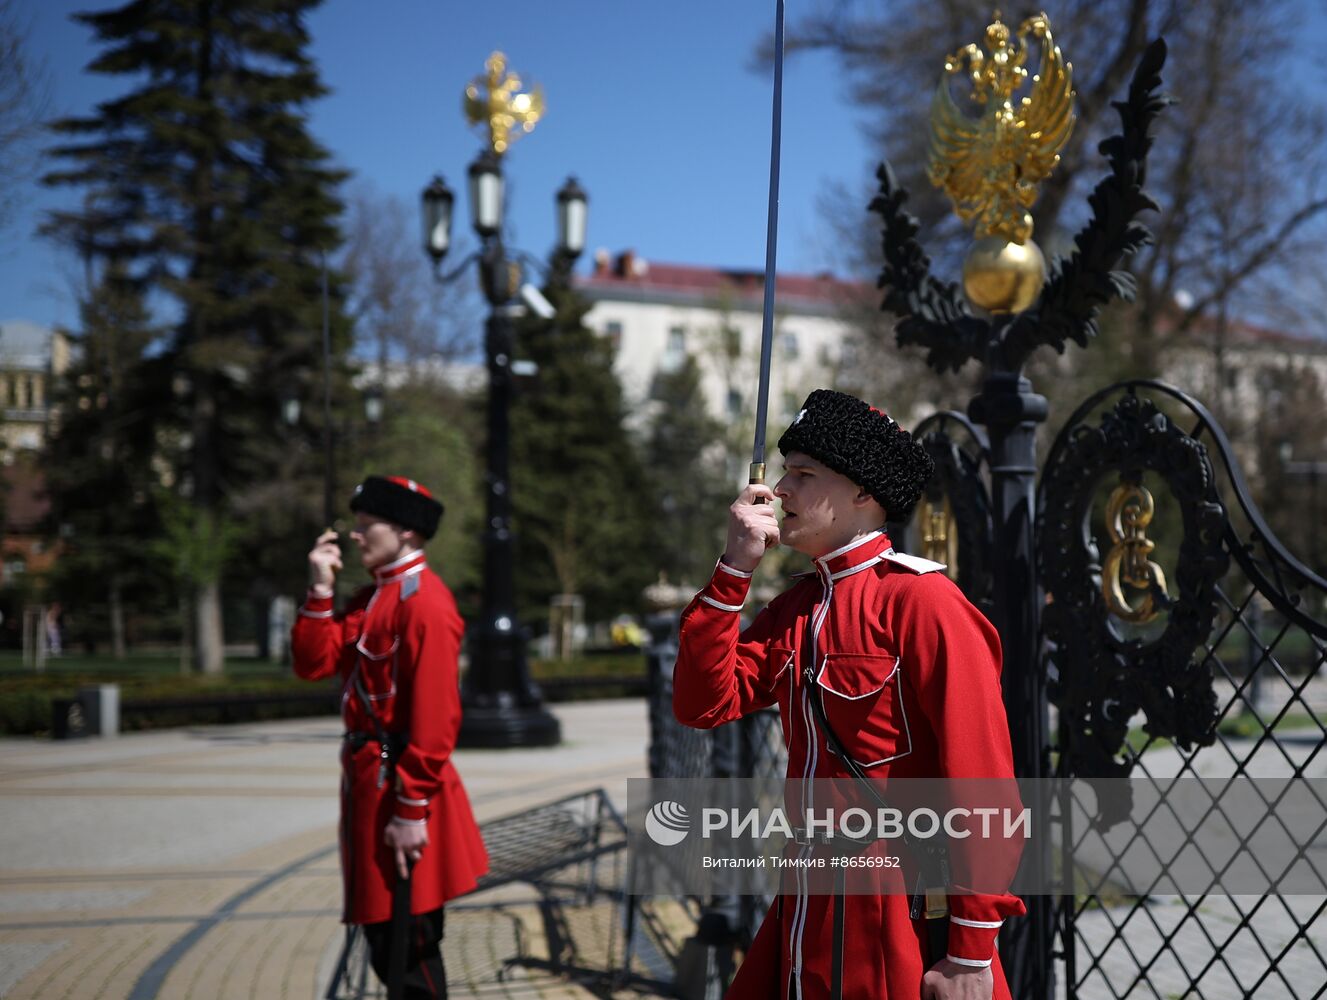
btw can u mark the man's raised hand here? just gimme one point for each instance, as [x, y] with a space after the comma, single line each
[752, 528]
[324, 561]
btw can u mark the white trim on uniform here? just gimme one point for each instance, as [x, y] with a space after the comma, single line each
[411, 802]
[716, 604]
[733, 572]
[866, 564]
[412, 571]
[971, 963]
[963, 922]
[304, 612]
[824, 560]
[395, 563]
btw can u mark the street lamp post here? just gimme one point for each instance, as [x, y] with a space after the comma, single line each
[502, 707]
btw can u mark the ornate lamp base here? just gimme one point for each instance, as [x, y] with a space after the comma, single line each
[490, 727]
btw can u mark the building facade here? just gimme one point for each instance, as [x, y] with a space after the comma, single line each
[656, 314]
[31, 358]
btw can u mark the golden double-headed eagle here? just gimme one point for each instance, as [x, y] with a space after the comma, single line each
[990, 166]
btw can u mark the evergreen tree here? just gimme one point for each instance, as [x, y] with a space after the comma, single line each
[582, 507]
[98, 461]
[687, 469]
[204, 180]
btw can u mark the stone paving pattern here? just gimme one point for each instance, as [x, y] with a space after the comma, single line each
[201, 863]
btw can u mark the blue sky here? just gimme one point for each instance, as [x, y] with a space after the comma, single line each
[653, 106]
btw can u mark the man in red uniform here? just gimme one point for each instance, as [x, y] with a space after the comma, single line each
[395, 647]
[908, 672]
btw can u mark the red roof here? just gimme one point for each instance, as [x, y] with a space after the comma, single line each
[637, 278]
[26, 502]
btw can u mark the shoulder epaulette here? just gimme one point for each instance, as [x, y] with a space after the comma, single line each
[913, 564]
[410, 586]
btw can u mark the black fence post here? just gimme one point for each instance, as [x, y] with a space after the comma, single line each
[1010, 410]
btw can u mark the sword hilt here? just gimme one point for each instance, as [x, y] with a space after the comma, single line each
[757, 478]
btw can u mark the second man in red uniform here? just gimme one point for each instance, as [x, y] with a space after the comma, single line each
[395, 647]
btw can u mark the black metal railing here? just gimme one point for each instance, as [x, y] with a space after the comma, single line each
[1255, 706]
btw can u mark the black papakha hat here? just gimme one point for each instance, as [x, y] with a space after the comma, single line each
[399, 500]
[858, 441]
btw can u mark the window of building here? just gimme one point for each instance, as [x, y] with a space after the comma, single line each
[732, 341]
[791, 404]
[675, 349]
[4, 390]
[734, 403]
[613, 331]
[791, 349]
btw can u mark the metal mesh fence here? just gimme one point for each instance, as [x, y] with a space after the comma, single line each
[1266, 652]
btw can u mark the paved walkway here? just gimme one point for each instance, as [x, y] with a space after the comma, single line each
[201, 863]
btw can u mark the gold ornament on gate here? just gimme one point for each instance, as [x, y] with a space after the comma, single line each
[990, 166]
[495, 101]
[1128, 513]
[939, 533]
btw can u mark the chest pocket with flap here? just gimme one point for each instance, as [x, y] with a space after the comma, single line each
[863, 700]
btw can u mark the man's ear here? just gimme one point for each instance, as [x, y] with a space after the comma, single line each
[412, 536]
[863, 499]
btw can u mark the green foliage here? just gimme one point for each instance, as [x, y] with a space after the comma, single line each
[428, 434]
[98, 458]
[195, 543]
[204, 191]
[688, 477]
[583, 512]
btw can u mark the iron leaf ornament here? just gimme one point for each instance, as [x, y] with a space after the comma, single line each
[934, 315]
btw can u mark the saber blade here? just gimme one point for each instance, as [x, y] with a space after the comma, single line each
[771, 254]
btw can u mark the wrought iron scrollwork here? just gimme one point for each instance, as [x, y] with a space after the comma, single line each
[1104, 678]
[958, 449]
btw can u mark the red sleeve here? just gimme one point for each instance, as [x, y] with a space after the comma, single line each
[430, 644]
[317, 638]
[721, 675]
[957, 660]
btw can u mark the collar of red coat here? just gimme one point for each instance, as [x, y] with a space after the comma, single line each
[408, 565]
[856, 555]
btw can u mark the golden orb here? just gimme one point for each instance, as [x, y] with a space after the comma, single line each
[1003, 277]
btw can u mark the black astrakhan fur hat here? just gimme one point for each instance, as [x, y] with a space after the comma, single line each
[858, 441]
[399, 500]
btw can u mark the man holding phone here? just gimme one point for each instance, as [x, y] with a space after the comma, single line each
[395, 647]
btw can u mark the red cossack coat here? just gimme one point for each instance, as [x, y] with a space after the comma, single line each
[910, 677]
[399, 640]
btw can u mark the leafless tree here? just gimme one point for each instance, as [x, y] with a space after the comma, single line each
[1237, 167]
[24, 100]
[401, 313]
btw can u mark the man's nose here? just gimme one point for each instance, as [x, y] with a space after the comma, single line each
[779, 491]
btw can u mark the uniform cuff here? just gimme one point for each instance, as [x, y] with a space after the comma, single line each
[972, 942]
[727, 588]
[411, 810]
[317, 605]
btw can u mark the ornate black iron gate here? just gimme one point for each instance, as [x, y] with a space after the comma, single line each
[1180, 639]
[1220, 675]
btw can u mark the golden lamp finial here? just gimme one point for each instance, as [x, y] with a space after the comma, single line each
[495, 101]
[990, 166]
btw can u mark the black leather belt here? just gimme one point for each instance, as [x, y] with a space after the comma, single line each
[396, 742]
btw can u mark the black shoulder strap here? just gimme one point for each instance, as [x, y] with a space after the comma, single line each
[933, 860]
